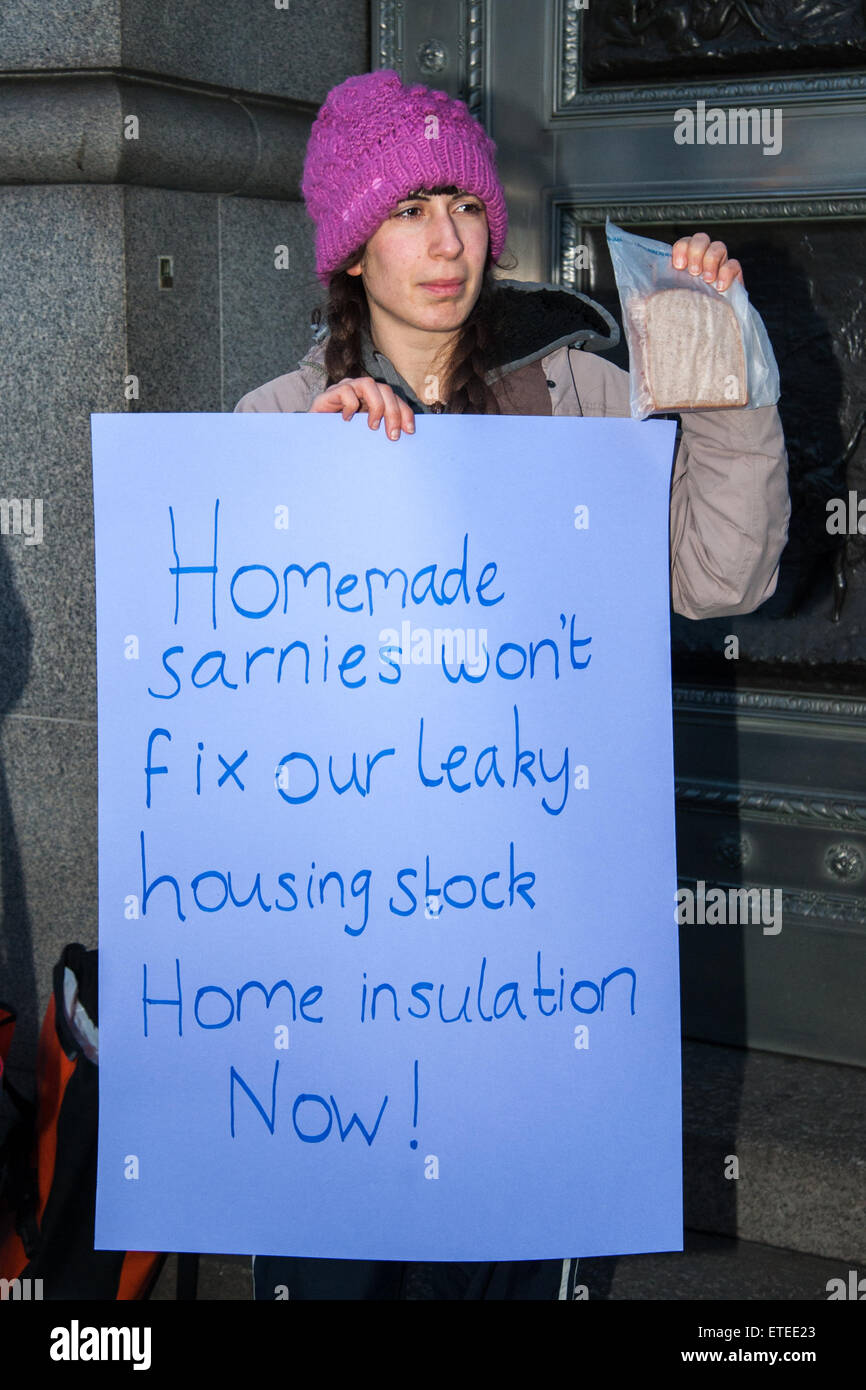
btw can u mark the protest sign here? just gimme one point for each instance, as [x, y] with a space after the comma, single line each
[388, 961]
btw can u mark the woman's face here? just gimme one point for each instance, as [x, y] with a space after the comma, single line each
[423, 267]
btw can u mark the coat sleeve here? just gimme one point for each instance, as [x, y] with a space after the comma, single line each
[729, 511]
[729, 492]
[290, 393]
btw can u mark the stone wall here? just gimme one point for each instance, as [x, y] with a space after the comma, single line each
[131, 132]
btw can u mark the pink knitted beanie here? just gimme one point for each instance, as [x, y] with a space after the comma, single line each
[376, 140]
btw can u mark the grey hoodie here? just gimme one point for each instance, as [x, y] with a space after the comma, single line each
[729, 491]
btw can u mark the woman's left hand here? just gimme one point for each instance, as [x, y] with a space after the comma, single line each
[706, 258]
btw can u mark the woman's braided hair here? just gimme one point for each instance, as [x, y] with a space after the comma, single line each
[461, 387]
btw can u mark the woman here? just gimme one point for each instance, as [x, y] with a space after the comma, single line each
[410, 219]
[416, 324]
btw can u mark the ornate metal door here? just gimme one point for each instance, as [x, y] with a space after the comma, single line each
[625, 107]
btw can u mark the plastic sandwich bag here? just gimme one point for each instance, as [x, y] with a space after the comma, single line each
[691, 347]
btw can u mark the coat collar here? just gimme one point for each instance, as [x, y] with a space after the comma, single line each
[536, 319]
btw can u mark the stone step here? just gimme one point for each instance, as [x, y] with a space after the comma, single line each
[221, 1278]
[717, 1269]
[710, 1267]
[794, 1132]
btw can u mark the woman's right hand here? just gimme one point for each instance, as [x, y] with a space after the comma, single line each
[375, 397]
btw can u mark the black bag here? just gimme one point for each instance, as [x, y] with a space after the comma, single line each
[48, 1158]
